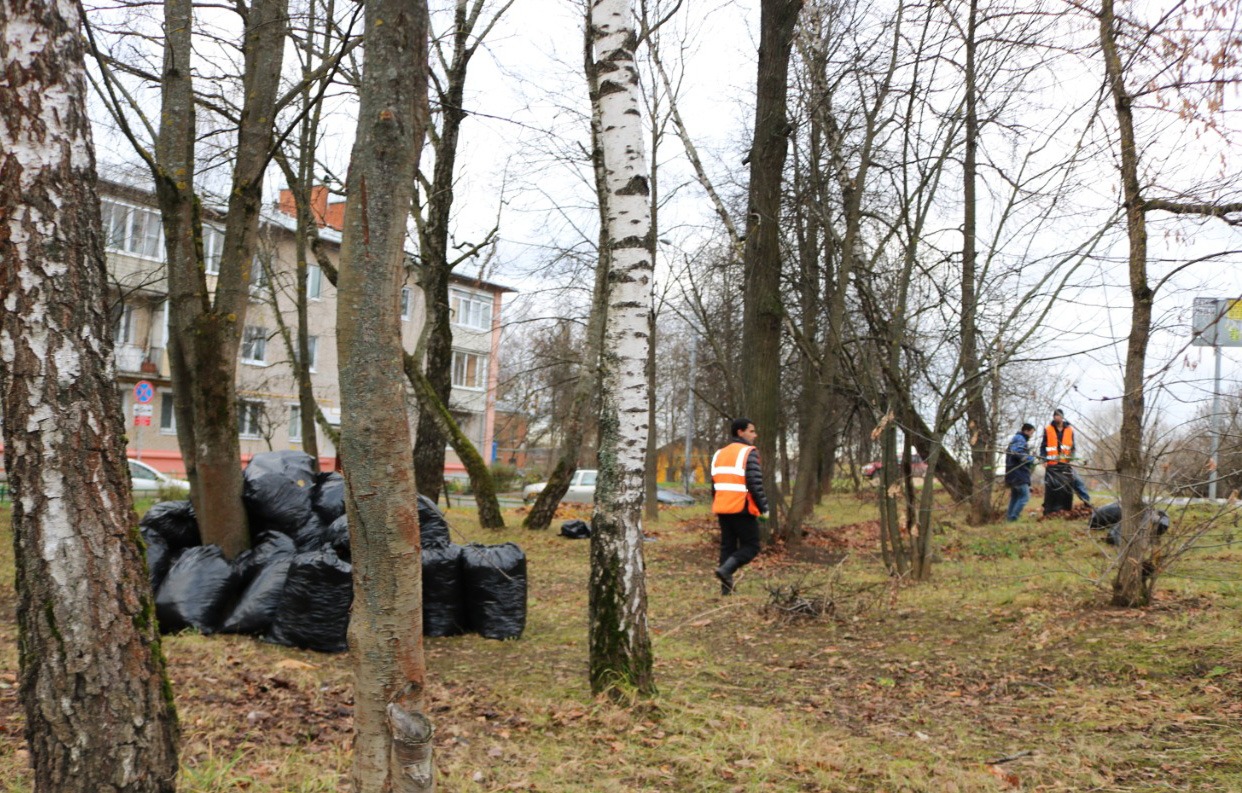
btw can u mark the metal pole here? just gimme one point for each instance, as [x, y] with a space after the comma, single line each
[1215, 428]
[688, 467]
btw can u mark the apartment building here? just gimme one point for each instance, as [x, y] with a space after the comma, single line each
[266, 386]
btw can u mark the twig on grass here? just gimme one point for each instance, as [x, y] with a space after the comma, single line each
[696, 618]
[1011, 757]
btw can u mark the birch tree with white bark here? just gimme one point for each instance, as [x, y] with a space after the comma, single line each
[99, 714]
[621, 661]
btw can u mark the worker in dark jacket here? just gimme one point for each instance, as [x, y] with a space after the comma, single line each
[1018, 464]
[737, 500]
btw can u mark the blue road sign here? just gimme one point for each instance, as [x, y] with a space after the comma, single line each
[143, 392]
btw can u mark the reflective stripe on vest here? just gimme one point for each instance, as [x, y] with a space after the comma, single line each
[729, 481]
[1058, 452]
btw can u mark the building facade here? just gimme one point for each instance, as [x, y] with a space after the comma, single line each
[268, 407]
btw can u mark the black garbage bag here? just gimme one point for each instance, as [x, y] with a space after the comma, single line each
[494, 583]
[196, 592]
[315, 536]
[1106, 516]
[1058, 489]
[328, 497]
[256, 608]
[314, 611]
[311, 535]
[271, 546]
[1159, 523]
[432, 526]
[444, 609]
[159, 558]
[277, 490]
[290, 463]
[575, 529]
[175, 523]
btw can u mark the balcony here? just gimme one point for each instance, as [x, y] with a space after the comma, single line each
[131, 359]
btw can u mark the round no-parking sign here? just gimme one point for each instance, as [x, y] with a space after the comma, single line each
[143, 392]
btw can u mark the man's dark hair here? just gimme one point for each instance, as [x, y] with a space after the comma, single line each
[1026, 427]
[738, 425]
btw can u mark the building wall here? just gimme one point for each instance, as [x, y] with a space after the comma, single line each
[265, 377]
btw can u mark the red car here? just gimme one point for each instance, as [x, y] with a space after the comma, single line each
[917, 467]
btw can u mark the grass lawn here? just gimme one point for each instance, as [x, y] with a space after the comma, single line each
[1008, 671]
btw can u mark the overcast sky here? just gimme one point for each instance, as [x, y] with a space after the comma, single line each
[527, 101]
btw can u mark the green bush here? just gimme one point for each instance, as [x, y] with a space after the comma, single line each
[505, 477]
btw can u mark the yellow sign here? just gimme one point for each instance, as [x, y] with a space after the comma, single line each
[1235, 310]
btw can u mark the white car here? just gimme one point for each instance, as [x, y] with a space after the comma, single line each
[148, 481]
[582, 491]
[581, 488]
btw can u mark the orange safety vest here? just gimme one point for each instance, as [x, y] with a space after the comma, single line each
[1058, 453]
[729, 481]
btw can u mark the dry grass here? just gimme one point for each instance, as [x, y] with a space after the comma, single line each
[1009, 653]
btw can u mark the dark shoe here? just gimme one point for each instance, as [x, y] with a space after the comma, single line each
[725, 574]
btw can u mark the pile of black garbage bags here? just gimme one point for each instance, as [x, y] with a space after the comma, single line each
[1108, 518]
[294, 586]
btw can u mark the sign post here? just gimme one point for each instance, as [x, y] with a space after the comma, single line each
[143, 394]
[1216, 323]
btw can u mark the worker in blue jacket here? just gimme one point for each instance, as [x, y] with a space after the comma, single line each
[1018, 465]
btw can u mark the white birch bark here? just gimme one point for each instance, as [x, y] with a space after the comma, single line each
[620, 644]
[98, 717]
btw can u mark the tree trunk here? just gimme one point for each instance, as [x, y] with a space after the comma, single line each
[430, 437]
[206, 329]
[481, 480]
[98, 706]
[763, 313]
[391, 736]
[620, 646]
[982, 453]
[1130, 587]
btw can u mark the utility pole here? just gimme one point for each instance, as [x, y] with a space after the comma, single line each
[1215, 427]
[688, 466]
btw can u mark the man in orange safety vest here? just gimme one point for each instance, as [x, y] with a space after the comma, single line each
[737, 500]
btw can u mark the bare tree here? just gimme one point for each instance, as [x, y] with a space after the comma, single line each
[469, 29]
[99, 711]
[763, 318]
[206, 322]
[1177, 63]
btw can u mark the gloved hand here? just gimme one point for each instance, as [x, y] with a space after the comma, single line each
[763, 516]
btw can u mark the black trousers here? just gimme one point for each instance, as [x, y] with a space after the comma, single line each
[739, 538]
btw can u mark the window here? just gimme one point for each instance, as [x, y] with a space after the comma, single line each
[250, 418]
[123, 329]
[168, 413]
[213, 247]
[470, 310]
[164, 324]
[406, 300]
[131, 229]
[254, 344]
[295, 423]
[469, 370]
[314, 282]
[258, 277]
[312, 348]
